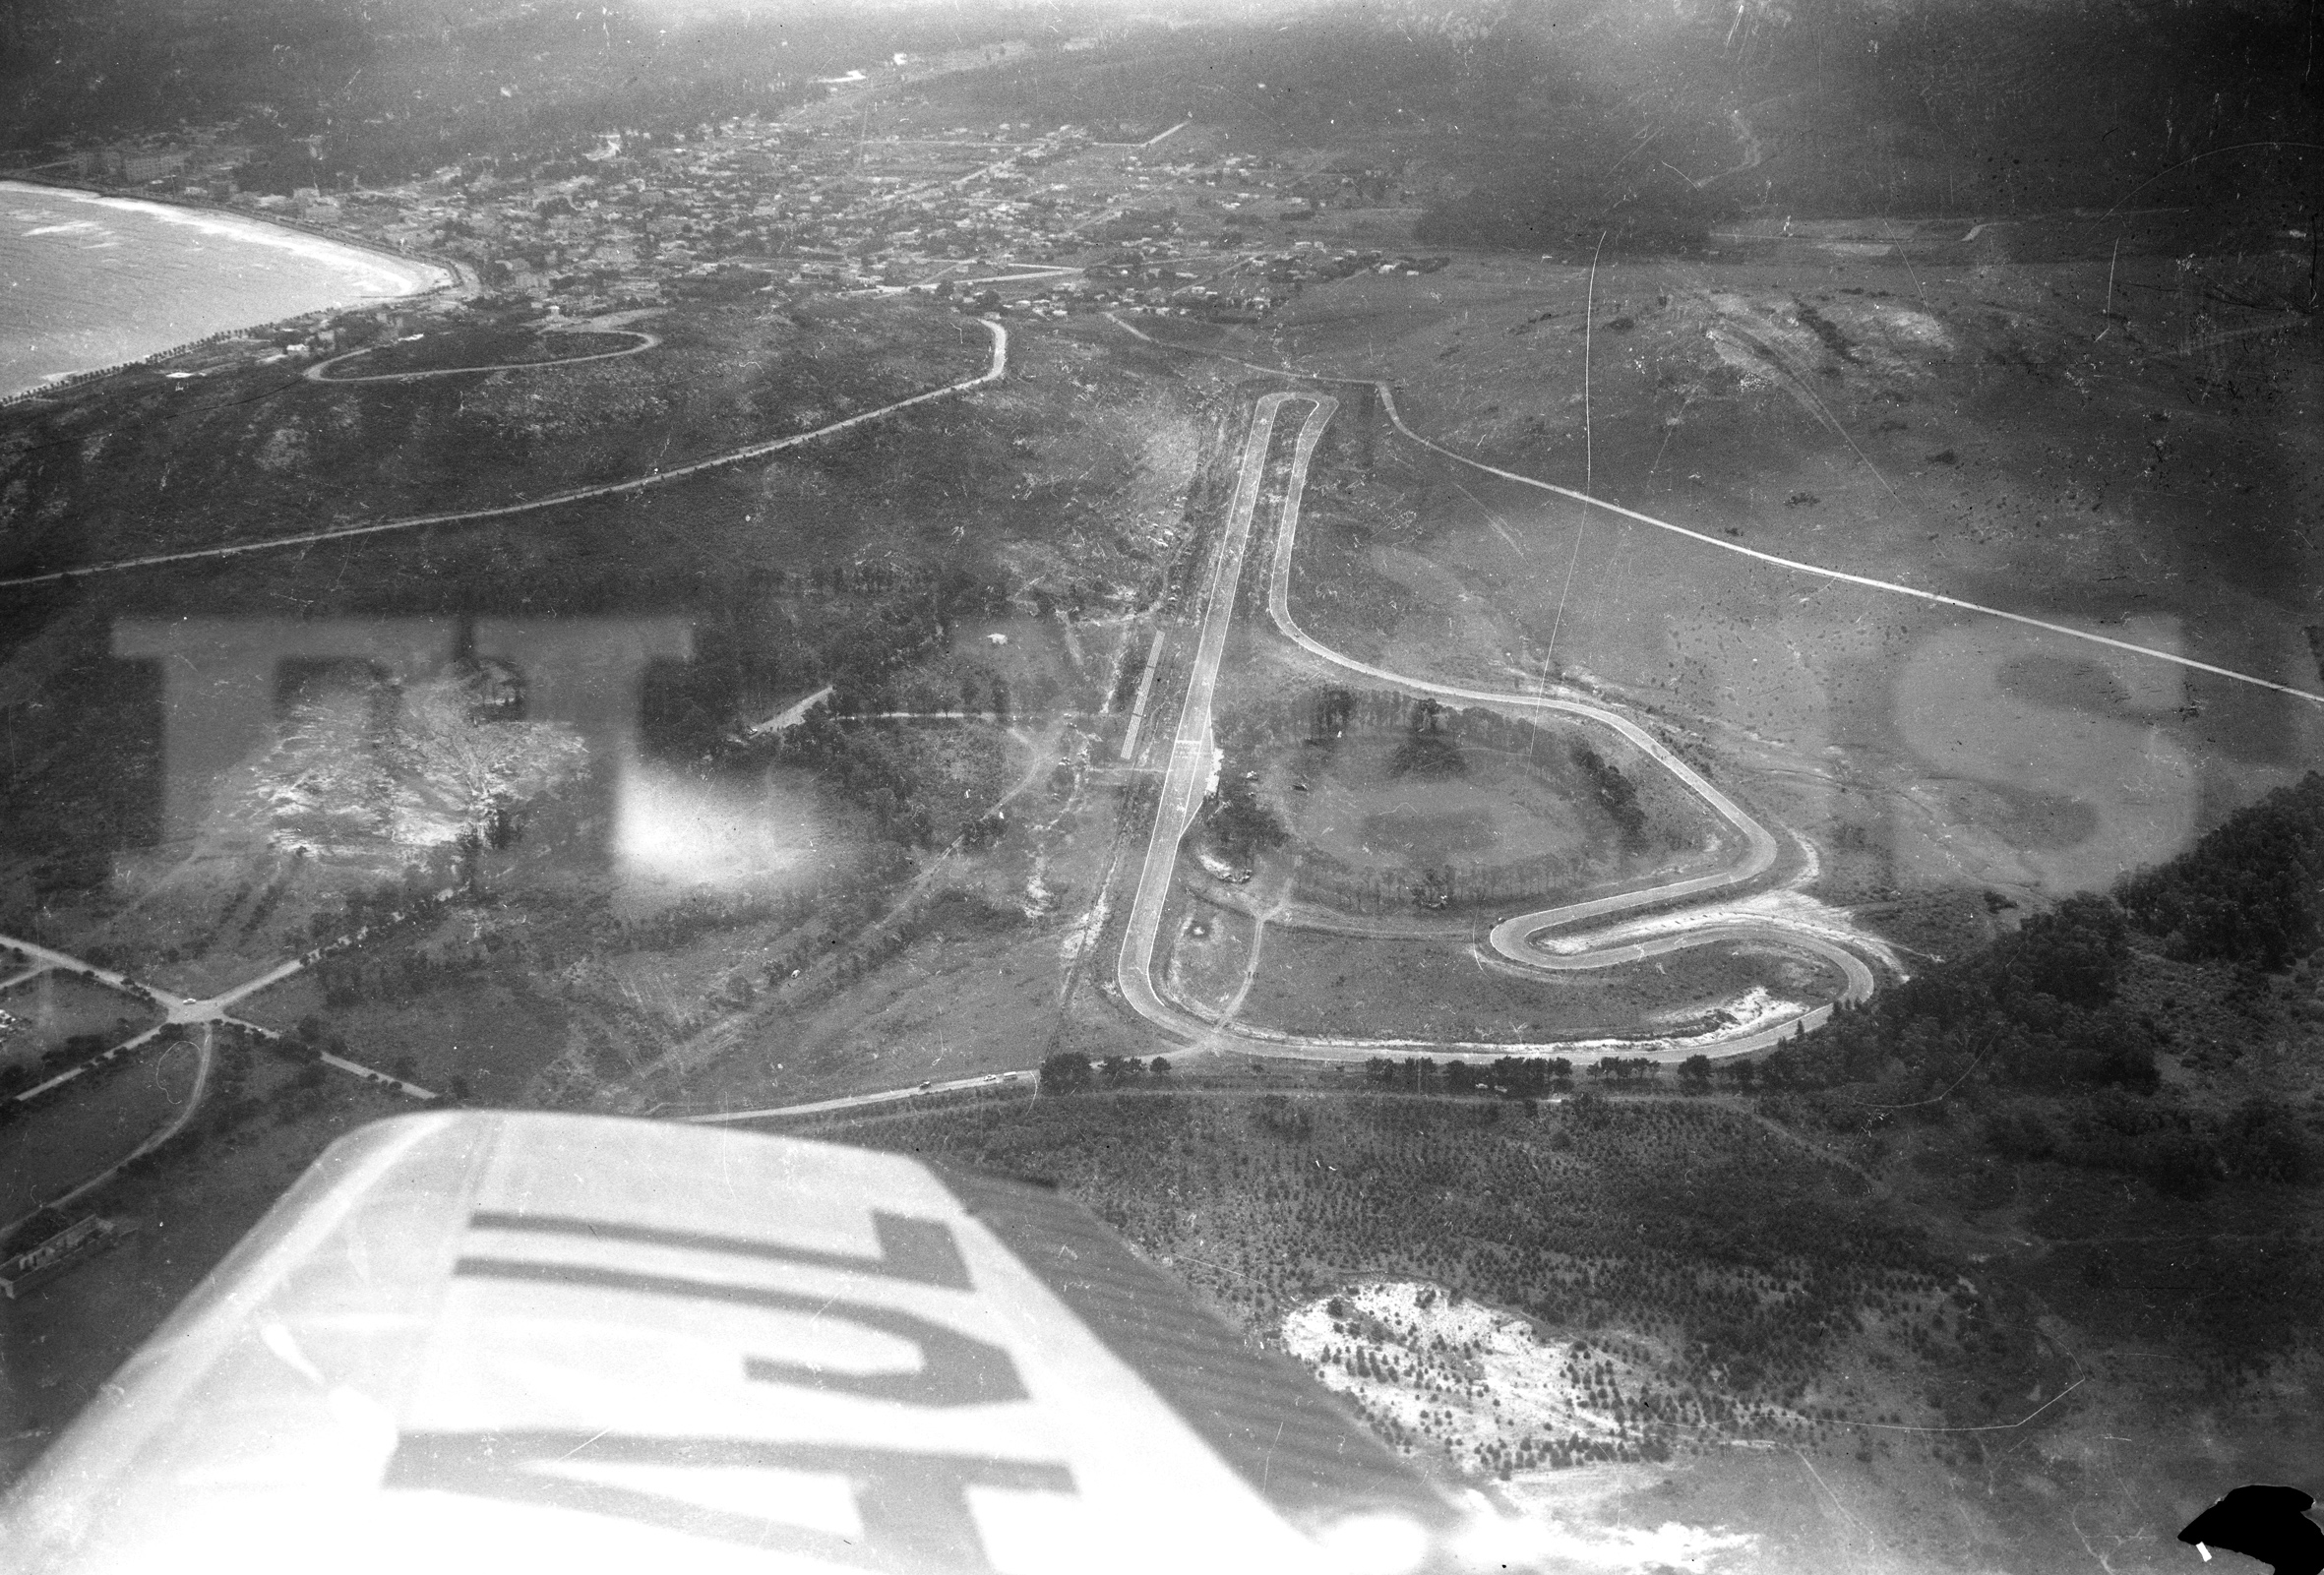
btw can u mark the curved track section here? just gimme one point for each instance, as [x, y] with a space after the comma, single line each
[1189, 767]
[645, 341]
[1517, 938]
[1509, 937]
[1387, 396]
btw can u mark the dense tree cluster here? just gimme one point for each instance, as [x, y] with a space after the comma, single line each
[1243, 825]
[2036, 1010]
[2031, 1034]
[2250, 891]
[1429, 748]
[1067, 1071]
[862, 763]
[1616, 793]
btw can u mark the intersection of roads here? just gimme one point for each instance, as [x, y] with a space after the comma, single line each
[1627, 927]
[1188, 765]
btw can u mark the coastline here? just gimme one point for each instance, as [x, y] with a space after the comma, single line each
[392, 275]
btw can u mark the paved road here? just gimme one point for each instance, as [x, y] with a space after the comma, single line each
[1509, 937]
[208, 1011]
[205, 1058]
[645, 341]
[994, 373]
[1188, 773]
[1517, 938]
[885, 1096]
[1388, 397]
[1693, 928]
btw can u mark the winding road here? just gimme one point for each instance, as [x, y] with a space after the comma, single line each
[1525, 940]
[185, 1010]
[645, 341]
[994, 373]
[1518, 938]
[1388, 397]
[1515, 941]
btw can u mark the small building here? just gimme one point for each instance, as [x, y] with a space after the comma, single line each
[140, 167]
[82, 1239]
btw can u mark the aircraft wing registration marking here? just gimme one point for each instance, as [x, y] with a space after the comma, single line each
[583, 1342]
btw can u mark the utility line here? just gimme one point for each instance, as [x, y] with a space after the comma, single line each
[1387, 398]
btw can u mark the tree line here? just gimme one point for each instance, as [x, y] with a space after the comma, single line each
[2031, 1031]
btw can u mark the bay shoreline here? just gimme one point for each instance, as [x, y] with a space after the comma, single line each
[425, 274]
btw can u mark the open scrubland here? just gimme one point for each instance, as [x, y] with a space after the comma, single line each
[856, 789]
[1664, 1312]
[2014, 1267]
[237, 459]
[1591, 1214]
[1970, 425]
[1967, 1260]
[1442, 989]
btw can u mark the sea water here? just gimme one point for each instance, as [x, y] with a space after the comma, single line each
[89, 281]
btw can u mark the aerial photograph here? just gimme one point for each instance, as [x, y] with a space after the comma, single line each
[986, 634]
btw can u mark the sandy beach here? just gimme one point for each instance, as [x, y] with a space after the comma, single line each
[90, 282]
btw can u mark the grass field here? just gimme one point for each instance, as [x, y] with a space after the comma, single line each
[43, 1012]
[1965, 426]
[83, 1127]
[1311, 982]
[1394, 805]
[1360, 807]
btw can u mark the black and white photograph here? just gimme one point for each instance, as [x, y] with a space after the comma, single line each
[893, 785]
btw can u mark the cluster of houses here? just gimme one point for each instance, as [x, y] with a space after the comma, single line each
[812, 200]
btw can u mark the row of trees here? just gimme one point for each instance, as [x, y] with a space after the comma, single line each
[1069, 1072]
[1532, 1076]
[1459, 883]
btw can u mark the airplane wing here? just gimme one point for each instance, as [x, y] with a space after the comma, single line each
[471, 1341]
